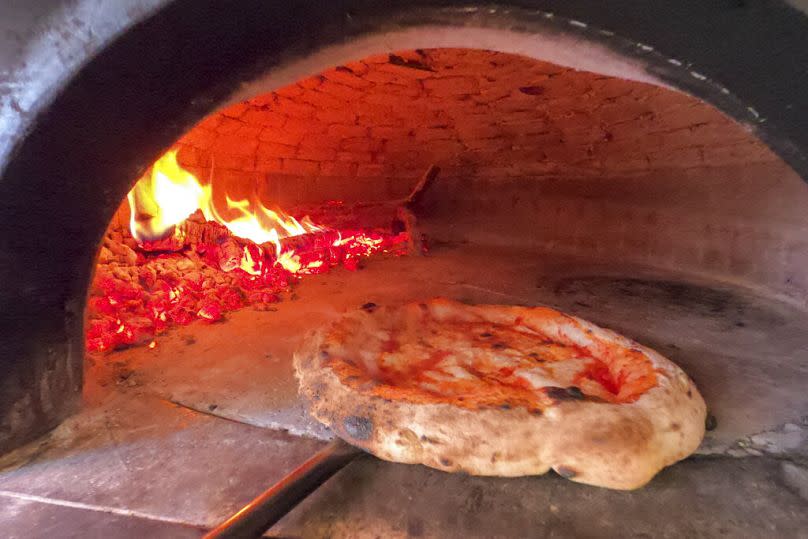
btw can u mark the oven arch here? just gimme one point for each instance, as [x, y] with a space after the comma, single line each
[81, 149]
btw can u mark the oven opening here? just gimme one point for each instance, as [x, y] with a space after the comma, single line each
[470, 174]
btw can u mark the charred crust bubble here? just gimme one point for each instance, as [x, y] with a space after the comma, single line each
[575, 392]
[369, 307]
[565, 471]
[359, 428]
[561, 394]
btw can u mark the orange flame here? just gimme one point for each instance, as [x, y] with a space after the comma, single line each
[249, 265]
[168, 194]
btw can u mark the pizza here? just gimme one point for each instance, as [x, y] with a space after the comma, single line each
[500, 390]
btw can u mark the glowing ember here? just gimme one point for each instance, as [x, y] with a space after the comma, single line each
[139, 294]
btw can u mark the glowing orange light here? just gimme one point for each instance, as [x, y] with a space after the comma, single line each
[164, 197]
[249, 265]
[168, 194]
[289, 261]
[132, 312]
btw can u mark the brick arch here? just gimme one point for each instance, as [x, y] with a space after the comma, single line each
[367, 129]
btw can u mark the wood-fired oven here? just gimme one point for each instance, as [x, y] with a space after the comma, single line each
[189, 188]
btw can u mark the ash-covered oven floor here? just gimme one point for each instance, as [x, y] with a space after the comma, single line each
[174, 439]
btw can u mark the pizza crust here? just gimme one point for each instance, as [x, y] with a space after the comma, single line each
[616, 445]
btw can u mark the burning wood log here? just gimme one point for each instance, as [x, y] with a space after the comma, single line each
[230, 254]
[397, 216]
[194, 230]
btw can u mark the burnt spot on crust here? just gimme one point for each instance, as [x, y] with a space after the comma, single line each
[446, 462]
[499, 346]
[505, 406]
[561, 394]
[675, 427]
[710, 422]
[324, 354]
[359, 428]
[429, 440]
[369, 307]
[316, 391]
[565, 471]
[536, 357]
[689, 393]
[536, 411]
[486, 334]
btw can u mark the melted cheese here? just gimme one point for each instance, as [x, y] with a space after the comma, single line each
[476, 363]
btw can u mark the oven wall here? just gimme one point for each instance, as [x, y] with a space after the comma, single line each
[368, 129]
[532, 154]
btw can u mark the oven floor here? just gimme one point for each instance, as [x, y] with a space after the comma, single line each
[172, 440]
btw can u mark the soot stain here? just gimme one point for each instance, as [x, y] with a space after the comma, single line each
[707, 301]
[359, 428]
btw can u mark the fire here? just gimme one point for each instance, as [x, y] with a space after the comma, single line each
[168, 194]
[163, 198]
[249, 265]
[170, 282]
